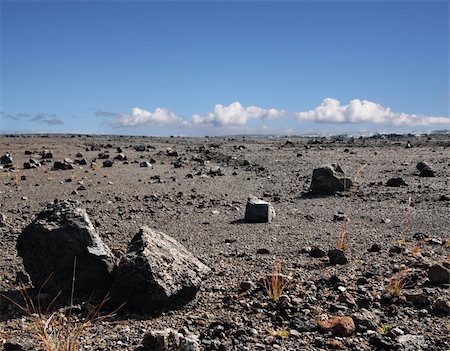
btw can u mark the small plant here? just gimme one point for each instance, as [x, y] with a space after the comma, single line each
[280, 333]
[397, 282]
[383, 329]
[342, 241]
[276, 283]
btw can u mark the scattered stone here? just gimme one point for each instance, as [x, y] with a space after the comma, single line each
[396, 182]
[385, 220]
[374, 248]
[45, 154]
[156, 272]
[145, 164]
[108, 163]
[169, 340]
[120, 157]
[140, 148]
[258, 210]
[409, 342]
[442, 306]
[339, 217]
[6, 159]
[425, 169]
[337, 256]
[329, 179]
[439, 273]
[317, 252]
[172, 153]
[216, 171]
[49, 245]
[337, 326]
[63, 166]
[262, 251]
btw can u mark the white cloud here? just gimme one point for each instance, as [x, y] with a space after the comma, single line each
[139, 117]
[363, 111]
[235, 114]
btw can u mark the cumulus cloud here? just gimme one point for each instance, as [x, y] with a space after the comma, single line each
[139, 117]
[363, 111]
[235, 114]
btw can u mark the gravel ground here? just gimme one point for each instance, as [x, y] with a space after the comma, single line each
[183, 198]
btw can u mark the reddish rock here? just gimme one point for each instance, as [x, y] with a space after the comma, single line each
[338, 326]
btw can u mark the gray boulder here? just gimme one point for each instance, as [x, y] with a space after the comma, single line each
[49, 245]
[329, 179]
[258, 210]
[6, 159]
[425, 169]
[156, 272]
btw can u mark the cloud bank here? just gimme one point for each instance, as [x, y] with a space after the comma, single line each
[139, 117]
[235, 114]
[49, 119]
[363, 111]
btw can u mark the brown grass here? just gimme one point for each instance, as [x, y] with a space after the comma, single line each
[397, 282]
[276, 283]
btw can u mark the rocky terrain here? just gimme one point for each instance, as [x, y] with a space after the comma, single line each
[363, 267]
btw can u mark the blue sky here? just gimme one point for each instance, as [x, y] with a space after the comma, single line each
[217, 68]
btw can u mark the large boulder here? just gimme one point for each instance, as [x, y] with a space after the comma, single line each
[329, 179]
[425, 169]
[156, 272]
[49, 245]
[258, 210]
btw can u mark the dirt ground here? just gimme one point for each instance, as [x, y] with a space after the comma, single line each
[183, 198]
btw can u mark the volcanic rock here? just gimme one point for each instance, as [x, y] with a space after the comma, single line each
[156, 272]
[62, 166]
[337, 256]
[439, 273]
[338, 326]
[169, 340]
[425, 169]
[329, 179]
[396, 182]
[49, 246]
[6, 159]
[258, 210]
[108, 163]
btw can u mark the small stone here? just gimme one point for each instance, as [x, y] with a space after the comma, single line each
[337, 256]
[145, 164]
[396, 182]
[338, 326]
[258, 210]
[108, 163]
[317, 252]
[439, 274]
[374, 248]
[425, 169]
[263, 251]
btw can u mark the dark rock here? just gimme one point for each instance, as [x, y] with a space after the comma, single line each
[337, 256]
[63, 166]
[46, 154]
[329, 179]
[338, 326]
[49, 245]
[396, 182]
[216, 171]
[439, 273]
[425, 169]
[317, 252]
[108, 163]
[169, 340]
[140, 148]
[13, 346]
[156, 272]
[442, 306]
[263, 251]
[120, 157]
[374, 248]
[6, 159]
[172, 153]
[145, 164]
[258, 210]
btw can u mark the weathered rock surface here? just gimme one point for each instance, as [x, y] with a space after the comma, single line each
[425, 169]
[156, 272]
[329, 179]
[49, 245]
[169, 340]
[337, 256]
[396, 182]
[258, 210]
[6, 159]
[338, 326]
[439, 273]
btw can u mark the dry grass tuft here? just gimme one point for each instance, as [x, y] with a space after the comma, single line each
[397, 282]
[276, 283]
[280, 333]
